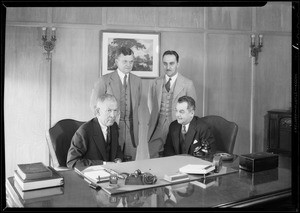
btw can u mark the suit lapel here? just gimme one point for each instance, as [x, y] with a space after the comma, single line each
[176, 137]
[189, 137]
[99, 138]
[159, 85]
[115, 84]
[179, 86]
[133, 89]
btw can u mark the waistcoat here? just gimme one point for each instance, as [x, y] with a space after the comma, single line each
[125, 102]
[166, 104]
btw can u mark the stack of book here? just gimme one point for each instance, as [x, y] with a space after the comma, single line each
[37, 180]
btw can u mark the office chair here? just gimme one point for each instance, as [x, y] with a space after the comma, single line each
[59, 139]
[224, 132]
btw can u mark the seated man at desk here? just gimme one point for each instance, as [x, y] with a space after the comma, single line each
[96, 141]
[188, 134]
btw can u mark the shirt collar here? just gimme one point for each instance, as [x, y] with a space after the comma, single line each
[173, 78]
[121, 75]
[103, 127]
[187, 127]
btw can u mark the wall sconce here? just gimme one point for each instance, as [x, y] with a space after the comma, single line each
[256, 49]
[48, 44]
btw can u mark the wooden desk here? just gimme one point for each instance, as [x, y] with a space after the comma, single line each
[240, 189]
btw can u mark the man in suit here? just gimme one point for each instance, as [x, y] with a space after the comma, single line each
[162, 97]
[127, 88]
[96, 141]
[188, 134]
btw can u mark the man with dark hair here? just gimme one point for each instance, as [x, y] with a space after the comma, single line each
[96, 141]
[127, 88]
[162, 97]
[188, 134]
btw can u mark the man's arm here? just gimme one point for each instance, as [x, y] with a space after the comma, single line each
[150, 96]
[77, 151]
[169, 147]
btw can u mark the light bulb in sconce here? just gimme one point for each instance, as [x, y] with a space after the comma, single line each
[260, 41]
[252, 40]
[53, 33]
[44, 32]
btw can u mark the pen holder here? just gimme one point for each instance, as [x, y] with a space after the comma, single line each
[113, 179]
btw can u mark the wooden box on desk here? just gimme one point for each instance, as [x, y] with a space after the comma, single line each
[255, 162]
[256, 178]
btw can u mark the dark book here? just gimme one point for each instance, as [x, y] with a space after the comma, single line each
[32, 171]
[259, 161]
[30, 194]
[55, 180]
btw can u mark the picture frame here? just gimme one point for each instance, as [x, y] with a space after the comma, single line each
[145, 46]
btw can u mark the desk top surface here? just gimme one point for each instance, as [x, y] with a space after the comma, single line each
[234, 189]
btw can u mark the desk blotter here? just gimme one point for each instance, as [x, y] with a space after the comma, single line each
[159, 167]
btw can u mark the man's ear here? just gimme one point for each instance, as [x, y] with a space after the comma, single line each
[97, 111]
[193, 112]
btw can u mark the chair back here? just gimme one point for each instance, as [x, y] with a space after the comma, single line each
[224, 132]
[59, 140]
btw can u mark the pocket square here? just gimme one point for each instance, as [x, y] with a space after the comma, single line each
[195, 141]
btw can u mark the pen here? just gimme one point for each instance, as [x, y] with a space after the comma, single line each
[92, 185]
[113, 172]
[208, 167]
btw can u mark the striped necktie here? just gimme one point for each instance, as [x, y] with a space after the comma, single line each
[168, 84]
[125, 81]
[183, 131]
[108, 134]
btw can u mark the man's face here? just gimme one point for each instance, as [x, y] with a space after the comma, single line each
[107, 112]
[125, 63]
[183, 114]
[170, 65]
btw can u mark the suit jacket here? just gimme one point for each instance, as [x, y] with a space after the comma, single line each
[183, 86]
[110, 83]
[197, 131]
[88, 145]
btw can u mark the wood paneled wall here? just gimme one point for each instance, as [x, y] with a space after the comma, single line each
[213, 44]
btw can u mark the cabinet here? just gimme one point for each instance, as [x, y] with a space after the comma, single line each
[278, 131]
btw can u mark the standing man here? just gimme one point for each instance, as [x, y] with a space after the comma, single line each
[96, 141]
[127, 88]
[162, 97]
[188, 134]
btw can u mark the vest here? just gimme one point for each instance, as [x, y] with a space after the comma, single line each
[126, 108]
[166, 104]
[125, 102]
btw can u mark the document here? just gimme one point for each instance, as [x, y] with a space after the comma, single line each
[94, 174]
[197, 169]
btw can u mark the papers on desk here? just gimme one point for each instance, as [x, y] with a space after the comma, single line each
[197, 169]
[176, 178]
[95, 174]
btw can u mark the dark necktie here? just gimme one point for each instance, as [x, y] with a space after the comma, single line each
[125, 81]
[183, 131]
[168, 85]
[108, 135]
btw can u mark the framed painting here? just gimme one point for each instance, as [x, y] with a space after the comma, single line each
[144, 45]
